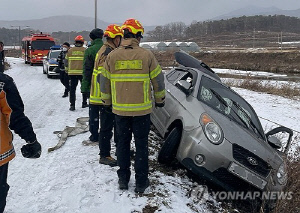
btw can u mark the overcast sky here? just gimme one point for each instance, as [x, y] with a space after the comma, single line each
[149, 12]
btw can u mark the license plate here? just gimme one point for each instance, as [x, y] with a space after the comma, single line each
[246, 175]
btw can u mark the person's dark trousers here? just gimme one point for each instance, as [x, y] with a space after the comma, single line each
[2, 61]
[85, 96]
[73, 84]
[64, 79]
[4, 187]
[107, 123]
[140, 127]
[94, 114]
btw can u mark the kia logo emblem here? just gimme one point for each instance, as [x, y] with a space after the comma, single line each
[252, 161]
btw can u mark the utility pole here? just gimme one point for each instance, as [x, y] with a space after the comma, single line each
[253, 37]
[96, 13]
[281, 41]
[19, 27]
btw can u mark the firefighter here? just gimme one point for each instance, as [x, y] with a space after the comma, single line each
[12, 117]
[88, 78]
[125, 83]
[64, 78]
[113, 34]
[88, 63]
[74, 67]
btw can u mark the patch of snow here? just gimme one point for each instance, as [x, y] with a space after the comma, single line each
[70, 179]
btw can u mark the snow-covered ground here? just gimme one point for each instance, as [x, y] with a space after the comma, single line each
[71, 180]
[248, 73]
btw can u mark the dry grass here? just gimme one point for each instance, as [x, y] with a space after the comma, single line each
[287, 90]
[293, 185]
[6, 66]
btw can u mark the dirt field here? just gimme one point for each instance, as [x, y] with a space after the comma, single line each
[270, 61]
[286, 61]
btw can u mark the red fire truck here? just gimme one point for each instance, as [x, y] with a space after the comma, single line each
[35, 47]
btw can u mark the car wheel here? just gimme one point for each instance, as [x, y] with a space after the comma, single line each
[31, 64]
[168, 151]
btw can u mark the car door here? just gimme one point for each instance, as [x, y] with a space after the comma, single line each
[161, 117]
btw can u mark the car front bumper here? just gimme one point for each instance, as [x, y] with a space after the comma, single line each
[50, 70]
[219, 166]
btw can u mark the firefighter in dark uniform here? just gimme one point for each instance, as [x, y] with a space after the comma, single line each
[64, 78]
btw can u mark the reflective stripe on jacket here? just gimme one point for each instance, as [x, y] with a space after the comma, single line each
[74, 58]
[126, 79]
[95, 95]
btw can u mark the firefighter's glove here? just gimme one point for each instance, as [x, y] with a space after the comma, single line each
[160, 104]
[32, 150]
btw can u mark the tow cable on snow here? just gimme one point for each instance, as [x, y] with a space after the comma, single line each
[277, 123]
[81, 126]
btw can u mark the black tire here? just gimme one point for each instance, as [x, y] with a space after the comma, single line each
[31, 64]
[168, 151]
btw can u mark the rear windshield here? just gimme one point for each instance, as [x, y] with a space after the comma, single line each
[42, 44]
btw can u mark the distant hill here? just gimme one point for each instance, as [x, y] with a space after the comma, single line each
[61, 23]
[253, 10]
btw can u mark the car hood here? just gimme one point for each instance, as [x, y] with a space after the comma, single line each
[53, 61]
[234, 133]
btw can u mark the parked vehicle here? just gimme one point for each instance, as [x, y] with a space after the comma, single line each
[35, 47]
[50, 64]
[215, 133]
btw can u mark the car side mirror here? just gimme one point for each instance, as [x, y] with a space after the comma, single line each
[283, 146]
[184, 86]
[274, 142]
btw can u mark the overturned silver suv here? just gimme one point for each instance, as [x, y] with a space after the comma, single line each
[216, 133]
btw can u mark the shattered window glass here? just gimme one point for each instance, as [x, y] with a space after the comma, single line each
[205, 94]
[227, 102]
[174, 75]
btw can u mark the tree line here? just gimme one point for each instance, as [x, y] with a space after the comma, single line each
[12, 37]
[196, 29]
[179, 30]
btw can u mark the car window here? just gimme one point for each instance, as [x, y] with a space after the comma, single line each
[54, 54]
[174, 75]
[42, 44]
[187, 77]
[228, 103]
